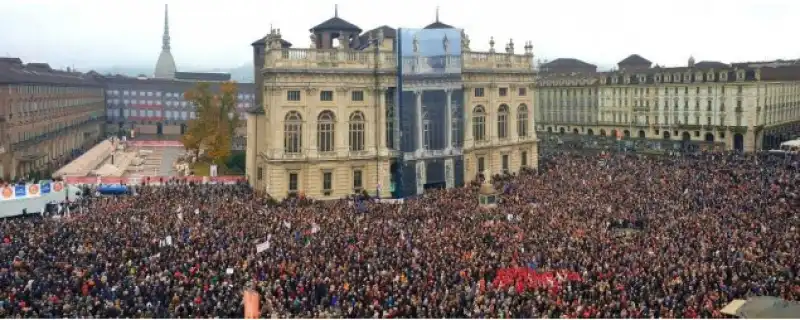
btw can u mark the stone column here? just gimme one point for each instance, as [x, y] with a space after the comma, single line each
[466, 111]
[380, 116]
[448, 119]
[419, 132]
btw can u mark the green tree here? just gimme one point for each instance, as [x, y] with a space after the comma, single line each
[216, 121]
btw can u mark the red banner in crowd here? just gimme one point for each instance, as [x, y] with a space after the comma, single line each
[152, 180]
[524, 278]
[154, 143]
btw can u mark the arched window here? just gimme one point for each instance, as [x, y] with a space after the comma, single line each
[502, 121]
[326, 125]
[479, 124]
[522, 120]
[293, 132]
[357, 125]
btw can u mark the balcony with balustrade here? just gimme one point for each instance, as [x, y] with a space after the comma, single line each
[496, 62]
[492, 61]
[329, 59]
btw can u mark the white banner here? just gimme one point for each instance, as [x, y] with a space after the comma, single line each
[213, 170]
[264, 246]
[389, 201]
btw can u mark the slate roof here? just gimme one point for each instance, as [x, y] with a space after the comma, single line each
[782, 73]
[568, 63]
[772, 63]
[156, 84]
[203, 76]
[438, 25]
[39, 66]
[685, 74]
[12, 71]
[263, 41]
[363, 39]
[634, 60]
[711, 64]
[336, 24]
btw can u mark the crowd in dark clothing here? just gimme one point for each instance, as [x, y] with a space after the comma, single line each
[708, 229]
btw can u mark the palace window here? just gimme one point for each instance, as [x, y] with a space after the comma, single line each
[293, 95]
[357, 95]
[327, 183]
[358, 180]
[479, 124]
[326, 128]
[293, 132]
[502, 121]
[503, 92]
[481, 165]
[326, 95]
[505, 162]
[522, 120]
[293, 182]
[523, 92]
[479, 92]
[357, 127]
[524, 158]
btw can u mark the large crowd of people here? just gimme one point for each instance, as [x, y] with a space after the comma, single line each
[621, 236]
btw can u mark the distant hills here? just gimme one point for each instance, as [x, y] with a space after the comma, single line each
[242, 73]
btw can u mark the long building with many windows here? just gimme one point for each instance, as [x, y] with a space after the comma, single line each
[157, 107]
[740, 106]
[388, 111]
[47, 117]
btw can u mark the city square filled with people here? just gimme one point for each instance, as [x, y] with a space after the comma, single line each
[585, 236]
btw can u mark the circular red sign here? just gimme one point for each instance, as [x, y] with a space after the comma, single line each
[57, 187]
[33, 189]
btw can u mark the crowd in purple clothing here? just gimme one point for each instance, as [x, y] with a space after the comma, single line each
[667, 237]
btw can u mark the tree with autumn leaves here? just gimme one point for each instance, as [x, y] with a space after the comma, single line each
[216, 121]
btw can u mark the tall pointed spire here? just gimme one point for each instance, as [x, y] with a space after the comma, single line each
[165, 66]
[437, 13]
[165, 37]
[336, 10]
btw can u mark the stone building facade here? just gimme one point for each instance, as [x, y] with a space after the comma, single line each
[340, 118]
[740, 106]
[47, 117]
[157, 107]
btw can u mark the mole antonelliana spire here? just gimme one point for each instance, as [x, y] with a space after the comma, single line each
[165, 67]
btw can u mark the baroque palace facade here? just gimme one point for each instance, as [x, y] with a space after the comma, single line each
[389, 111]
[739, 106]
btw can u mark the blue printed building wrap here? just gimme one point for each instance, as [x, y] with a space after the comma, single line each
[428, 111]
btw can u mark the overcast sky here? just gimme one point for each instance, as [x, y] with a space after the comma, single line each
[217, 34]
